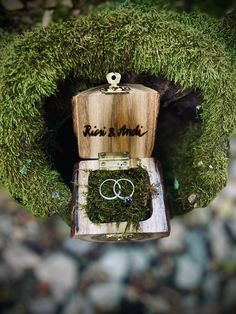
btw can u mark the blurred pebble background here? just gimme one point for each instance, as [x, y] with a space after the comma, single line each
[42, 270]
[192, 271]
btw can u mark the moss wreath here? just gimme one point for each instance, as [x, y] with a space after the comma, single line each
[193, 50]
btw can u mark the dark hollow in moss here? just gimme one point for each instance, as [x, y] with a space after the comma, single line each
[100, 210]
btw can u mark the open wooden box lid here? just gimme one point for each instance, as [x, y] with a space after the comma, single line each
[116, 122]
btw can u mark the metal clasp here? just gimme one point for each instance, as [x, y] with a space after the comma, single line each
[113, 79]
[114, 161]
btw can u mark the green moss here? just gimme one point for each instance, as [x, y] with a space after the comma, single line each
[193, 50]
[100, 210]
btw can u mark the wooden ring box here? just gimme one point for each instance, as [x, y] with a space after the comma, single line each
[115, 123]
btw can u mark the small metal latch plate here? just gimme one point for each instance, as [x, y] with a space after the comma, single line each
[114, 79]
[114, 161]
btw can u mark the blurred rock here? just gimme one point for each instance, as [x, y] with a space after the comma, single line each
[190, 305]
[78, 247]
[115, 263]
[39, 305]
[156, 304]
[60, 271]
[20, 258]
[188, 273]
[166, 267]
[209, 308]
[67, 3]
[5, 273]
[222, 206]
[231, 225]
[34, 4]
[233, 144]
[76, 13]
[47, 17]
[12, 5]
[62, 230]
[197, 217]
[32, 229]
[6, 225]
[106, 296]
[211, 286]
[229, 296]
[139, 258]
[230, 191]
[18, 233]
[78, 305]
[219, 240]
[196, 246]
[51, 3]
[175, 241]
[93, 273]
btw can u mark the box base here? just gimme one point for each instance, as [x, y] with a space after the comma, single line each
[155, 227]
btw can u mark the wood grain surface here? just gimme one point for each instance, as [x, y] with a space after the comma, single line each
[116, 122]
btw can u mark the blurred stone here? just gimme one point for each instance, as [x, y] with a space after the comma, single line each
[175, 241]
[47, 17]
[115, 262]
[2, 243]
[19, 233]
[5, 273]
[62, 230]
[60, 272]
[197, 217]
[189, 304]
[196, 246]
[230, 191]
[20, 258]
[231, 225]
[222, 205]
[32, 229]
[166, 267]
[156, 304]
[12, 5]
[232, 168]
[233, 145]
[6, 225]
[139, 258]
[209, 308]
[211, 286]
[67, 3]
[34, 4]
[229, 296]
[78, 247]
[218, 239]
[106, 296]
[94, 272]
[76, 13]
[51, 4]
[188, 273]
[39, 305]
[42, 288]
[78, 305]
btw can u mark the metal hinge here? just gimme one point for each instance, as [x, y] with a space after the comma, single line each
[114, 161]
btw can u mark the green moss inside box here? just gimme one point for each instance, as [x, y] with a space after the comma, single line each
[100, 210]
[42, 69]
